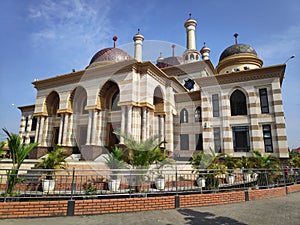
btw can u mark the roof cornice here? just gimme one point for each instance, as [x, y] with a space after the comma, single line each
[242, 76]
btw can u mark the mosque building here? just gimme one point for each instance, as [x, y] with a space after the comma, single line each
[234, 107]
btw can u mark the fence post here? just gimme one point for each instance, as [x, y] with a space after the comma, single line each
[6, 187]
[72, 184]
[177, 199]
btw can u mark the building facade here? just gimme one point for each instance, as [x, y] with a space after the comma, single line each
[234, 107]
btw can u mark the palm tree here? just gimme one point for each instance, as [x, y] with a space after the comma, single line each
[18, 152]
[141, 155]
[54, 161]
[266, 161]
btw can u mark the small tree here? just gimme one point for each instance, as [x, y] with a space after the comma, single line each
[115, 160]
[54, 161]
[141, 155]
[18, 152]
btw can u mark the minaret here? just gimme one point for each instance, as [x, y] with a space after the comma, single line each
[205, 52]
[191, 54]
[190, 26]
[138, 44]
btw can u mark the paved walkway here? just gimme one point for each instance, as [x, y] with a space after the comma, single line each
[275, 211]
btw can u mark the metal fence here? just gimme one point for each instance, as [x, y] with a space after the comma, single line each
[81, 184]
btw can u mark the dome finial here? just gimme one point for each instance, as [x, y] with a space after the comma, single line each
[236, 36]
[115, 38]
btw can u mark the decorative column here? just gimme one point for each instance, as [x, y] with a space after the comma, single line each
[144, 123]
[99, 141]
[94, 127]
[169, 132]
[162, 126]
[36, 139]
[129, 120]
[70, 131]
[123, 117]
[65, 130]
[61, 128]
[40, 138]
[89, 128]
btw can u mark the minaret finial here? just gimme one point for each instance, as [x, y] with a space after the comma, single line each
[115, 38]
[190, 15]
[138, 31]
[236, 36]
[204, 43]
[173, 50]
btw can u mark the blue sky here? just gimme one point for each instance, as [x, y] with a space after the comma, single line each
[43, 38]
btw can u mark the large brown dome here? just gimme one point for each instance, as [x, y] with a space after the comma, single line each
[237, 49]
[110, 54]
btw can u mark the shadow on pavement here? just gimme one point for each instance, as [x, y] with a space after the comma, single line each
[207, 218]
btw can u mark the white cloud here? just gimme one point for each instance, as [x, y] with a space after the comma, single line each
[68, 25]
[280, 46]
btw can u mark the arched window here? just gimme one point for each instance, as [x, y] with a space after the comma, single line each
[198, 117]
[184, 116]
[115, 102]
[238, 103]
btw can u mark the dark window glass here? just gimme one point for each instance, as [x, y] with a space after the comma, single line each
[198, 116]
[217, 139]
[215, 102]
[238, 104]
[26, 123]
[32, 139]
[241, 140]
[184, 116]
[184, 142]
[199, 142]
[267, 138]
[264, 103]
[34, 123]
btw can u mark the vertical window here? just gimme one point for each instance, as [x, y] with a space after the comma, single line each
[217, 139]
[23, 140]
[264, 103]
[199, 141]
[267, 138]
[26, 123]
[31, 139]
[215, 102]
[184, 142]
[241, 140]
[238, 104]
[184, 116]
[34, 123]
[198, 116]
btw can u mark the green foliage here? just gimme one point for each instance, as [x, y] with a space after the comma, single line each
[2, 152]
[294, 160]
[89, 188]
[18, 152]
[266, 161]
[203, 160]
[115, 160]
[142, 154]
[54, 161]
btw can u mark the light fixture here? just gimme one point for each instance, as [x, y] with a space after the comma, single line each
[291, 57]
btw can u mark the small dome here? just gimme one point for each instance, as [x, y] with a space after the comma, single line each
[110, 54]
[237, 49]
